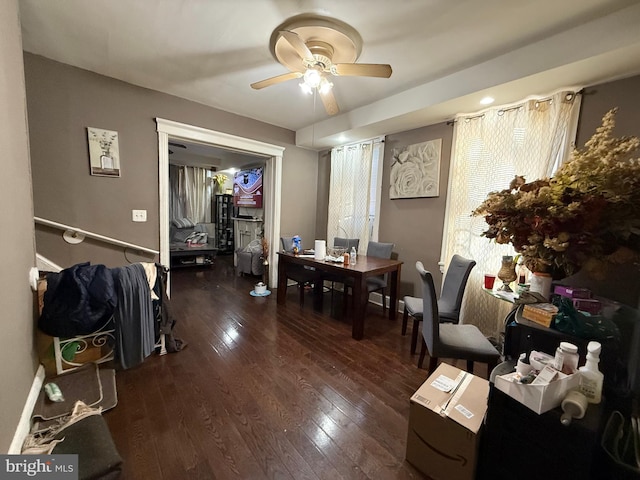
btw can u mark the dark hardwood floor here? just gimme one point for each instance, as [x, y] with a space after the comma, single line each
[263, 391]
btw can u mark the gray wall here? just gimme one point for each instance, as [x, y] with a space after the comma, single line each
[622, 282]
[17, 255]
[63, 101]
[415, 225]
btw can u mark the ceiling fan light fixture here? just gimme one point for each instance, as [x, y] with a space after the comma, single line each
[325, 86]
[306, 88]
[312, 77]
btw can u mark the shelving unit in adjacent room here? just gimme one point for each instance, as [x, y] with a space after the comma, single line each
[225, 212]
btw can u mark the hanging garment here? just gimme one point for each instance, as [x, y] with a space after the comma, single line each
[78, 300]
[134, 321]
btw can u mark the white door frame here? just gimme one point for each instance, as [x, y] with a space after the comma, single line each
[272, 179]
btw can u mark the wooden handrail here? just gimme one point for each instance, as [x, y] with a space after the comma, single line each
[79, 234]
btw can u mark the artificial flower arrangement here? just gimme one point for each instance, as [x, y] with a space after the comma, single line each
[220, 179]
[586, 216]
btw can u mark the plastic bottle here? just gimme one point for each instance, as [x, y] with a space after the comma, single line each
[591, 377]
[566, 359]
[574, 405]
[354, 255]
[522, 272]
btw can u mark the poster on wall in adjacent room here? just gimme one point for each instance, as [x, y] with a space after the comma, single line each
[104, 155]
[247, 188]
[415, 170]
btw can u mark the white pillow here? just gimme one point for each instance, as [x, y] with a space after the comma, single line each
[183, 223]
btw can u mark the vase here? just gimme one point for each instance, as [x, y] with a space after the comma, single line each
[507, 273]
[541, 283]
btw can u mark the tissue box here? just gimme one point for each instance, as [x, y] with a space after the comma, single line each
[539, 398]
[572, 292]
[540, 313]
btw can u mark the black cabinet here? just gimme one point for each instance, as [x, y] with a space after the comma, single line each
[523, 336]
[517, 443]
[225, 212]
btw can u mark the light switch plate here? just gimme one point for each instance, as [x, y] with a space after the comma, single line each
[139, 215]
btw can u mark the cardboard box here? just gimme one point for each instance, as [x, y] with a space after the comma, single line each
[540, 313]
[572, 292]
[539, 398]
[445, 417]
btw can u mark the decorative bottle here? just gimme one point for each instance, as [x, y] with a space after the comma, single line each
[591, 377]
[354, 255]
[522, 272]
[507, 273]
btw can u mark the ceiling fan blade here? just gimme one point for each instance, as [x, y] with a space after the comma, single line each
[329, 102]
[298, 44]
[274, 80]
[363, 69]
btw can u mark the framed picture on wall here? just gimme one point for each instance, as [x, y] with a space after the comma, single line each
[104, 155]
[415, 170]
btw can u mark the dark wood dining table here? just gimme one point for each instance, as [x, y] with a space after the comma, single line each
[364, 268]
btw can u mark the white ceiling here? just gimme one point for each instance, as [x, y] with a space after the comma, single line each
[446, 54]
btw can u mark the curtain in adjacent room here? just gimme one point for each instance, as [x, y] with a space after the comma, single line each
[191, 190]
[489, 149]
[349, 193]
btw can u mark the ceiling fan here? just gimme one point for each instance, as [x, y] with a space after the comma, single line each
[314, 48]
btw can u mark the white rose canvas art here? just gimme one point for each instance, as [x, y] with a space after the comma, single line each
[415, 171]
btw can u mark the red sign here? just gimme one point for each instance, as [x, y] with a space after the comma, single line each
[247, 188]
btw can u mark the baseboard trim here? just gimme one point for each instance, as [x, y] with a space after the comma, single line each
[376, 299]
[25, 419]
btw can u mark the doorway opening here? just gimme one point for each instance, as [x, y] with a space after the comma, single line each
[168, 129]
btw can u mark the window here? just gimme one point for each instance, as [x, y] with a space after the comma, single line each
[488, 151]
[354, 191]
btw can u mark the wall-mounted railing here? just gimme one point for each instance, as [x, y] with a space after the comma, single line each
[75, 235]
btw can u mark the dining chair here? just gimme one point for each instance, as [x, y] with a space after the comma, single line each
[347, 243]
[300, 274]
[450, 340]
[377, 283]
[449, 303]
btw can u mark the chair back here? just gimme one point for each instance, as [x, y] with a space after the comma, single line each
[455, 282]
[348, 243]
[430, 317]
[379, 250]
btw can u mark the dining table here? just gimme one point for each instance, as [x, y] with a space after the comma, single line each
[364, 268]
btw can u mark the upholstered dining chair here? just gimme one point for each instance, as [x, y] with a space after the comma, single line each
[449, 303]
[379, 250]
[300, 274]
[450, 340]
[346, 243]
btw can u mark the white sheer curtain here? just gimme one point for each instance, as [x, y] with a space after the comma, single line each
[349, 193]
[191, 189]
[488, 151]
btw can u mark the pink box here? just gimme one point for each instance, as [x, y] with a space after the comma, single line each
[590, 305]
[572, 292]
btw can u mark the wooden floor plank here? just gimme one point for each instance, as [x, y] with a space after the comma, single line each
[265, 391]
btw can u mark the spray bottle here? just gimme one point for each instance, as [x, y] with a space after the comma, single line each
[591, 377]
